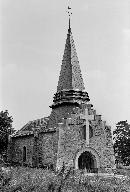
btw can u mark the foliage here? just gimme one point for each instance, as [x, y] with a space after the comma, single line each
[5, 130]
[122, 142]
[39, 180]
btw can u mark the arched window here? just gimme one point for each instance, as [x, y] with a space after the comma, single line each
[24, 154]
[90, 131]
[84, 132]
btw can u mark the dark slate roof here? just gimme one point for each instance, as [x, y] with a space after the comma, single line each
[31, 126]
[70, 74]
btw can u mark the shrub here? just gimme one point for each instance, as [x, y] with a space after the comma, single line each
[38, 180]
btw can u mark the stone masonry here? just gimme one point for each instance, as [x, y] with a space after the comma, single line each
[71, 143]
[73, 134]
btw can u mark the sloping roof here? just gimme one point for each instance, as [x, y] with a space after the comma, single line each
[28, 129]
[70, 74]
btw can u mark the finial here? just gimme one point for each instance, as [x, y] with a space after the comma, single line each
[69, 25]
[69, 13]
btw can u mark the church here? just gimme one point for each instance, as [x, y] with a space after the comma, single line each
[73, 134]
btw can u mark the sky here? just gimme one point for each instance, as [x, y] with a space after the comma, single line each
[33, 39]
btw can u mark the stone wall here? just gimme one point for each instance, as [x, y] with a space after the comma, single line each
[48, 144]
[71, 143]
[18, 144]
[59, 113]
[66, 141]
[41, 151]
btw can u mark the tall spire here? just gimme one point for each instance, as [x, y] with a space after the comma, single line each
[70, 87]
[70, 75]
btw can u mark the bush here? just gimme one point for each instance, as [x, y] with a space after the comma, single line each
[26, 179]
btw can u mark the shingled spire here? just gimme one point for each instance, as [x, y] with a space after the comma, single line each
[70, 87]
[70, 75]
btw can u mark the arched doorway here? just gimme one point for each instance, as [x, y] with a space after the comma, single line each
[87, 161]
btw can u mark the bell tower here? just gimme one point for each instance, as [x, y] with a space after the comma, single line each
[70, 90]
[82, 139]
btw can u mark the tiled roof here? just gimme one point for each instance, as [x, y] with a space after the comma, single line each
[70, 74]
[31, 126]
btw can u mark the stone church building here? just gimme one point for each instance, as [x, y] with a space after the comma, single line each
[73, 133]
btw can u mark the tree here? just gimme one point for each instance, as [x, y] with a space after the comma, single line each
[5, 130]
[122, 142]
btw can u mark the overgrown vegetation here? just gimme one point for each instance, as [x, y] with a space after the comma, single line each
[6, 129]
[21, 179]
[122, 142]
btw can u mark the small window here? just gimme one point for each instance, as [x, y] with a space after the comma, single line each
[84, 132]
[90, 131]
[24, 154]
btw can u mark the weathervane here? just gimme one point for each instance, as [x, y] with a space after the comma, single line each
[69, 13]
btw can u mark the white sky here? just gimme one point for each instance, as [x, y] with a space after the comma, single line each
[33, 40]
